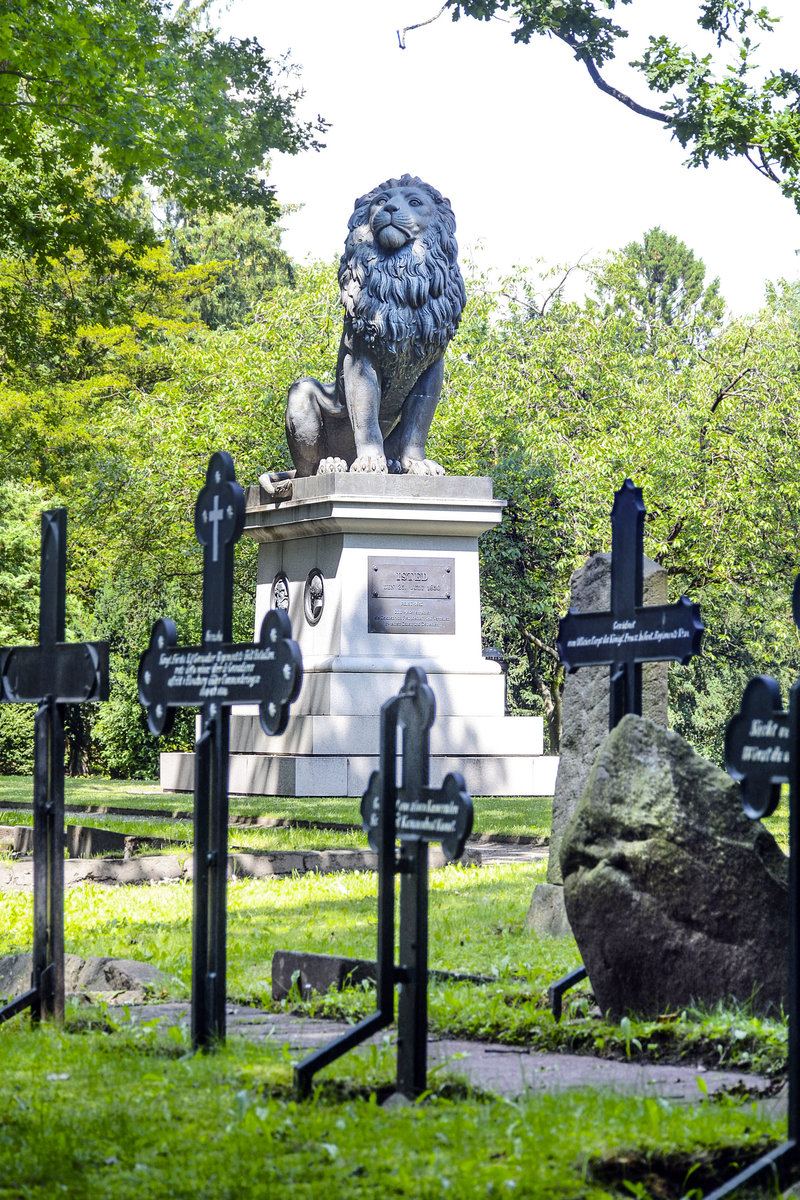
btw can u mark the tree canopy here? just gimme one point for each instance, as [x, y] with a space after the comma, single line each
[98, 97]
[733, 111]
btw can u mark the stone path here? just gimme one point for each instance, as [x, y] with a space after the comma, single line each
[506, 1070]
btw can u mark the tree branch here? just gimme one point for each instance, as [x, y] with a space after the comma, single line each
[728, 389]
[401, 33]
[582, 54]
[540, 645]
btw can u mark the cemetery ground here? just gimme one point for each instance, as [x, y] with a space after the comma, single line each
[115, 1104]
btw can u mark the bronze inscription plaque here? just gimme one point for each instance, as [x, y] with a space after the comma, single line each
[411, 595]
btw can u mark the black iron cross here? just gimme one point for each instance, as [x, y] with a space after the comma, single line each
[52, 674]
[762, 751]
[414, 814]
[212, 677]
[629, 634]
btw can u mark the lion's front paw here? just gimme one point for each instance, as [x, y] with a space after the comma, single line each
[331, 466]
[369, 463]
[421, 466]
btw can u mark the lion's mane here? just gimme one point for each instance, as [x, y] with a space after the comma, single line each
[408, 303]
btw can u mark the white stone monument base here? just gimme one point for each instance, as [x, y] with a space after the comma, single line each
[398, 557]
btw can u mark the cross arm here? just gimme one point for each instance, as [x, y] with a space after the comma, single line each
[653, 633]
[268, 672]
[69, 672]
[758, 747]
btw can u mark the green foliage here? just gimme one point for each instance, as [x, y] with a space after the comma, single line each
[149, 93]
[714, 112]
[243, 248]
[16, 739]
[659, 282]
[476, 925]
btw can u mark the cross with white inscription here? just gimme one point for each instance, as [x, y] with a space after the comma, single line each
[630, 633]
[212, 677]
[52, 674]
[414, 814]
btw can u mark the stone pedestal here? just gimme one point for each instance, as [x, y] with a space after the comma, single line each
[380, 574]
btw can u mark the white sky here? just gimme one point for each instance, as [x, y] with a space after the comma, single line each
[537, 163]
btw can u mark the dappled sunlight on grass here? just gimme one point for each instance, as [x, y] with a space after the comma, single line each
[129, 1114]
[524, 816]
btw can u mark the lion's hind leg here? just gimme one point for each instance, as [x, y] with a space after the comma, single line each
[317, 428]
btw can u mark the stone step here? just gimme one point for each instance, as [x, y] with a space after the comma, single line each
[348, 775]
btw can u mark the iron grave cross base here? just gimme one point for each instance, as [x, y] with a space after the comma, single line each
[412, 814]
[52, 674]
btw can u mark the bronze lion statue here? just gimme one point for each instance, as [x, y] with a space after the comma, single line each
[403, 297]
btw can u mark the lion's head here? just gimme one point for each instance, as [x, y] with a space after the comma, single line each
[399, 277]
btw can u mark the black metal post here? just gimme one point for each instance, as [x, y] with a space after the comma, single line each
[412, 1005]
[218, 871]
[761, 724]
[794, 918]
[201, 1024]
[52, 674]
[47, 978]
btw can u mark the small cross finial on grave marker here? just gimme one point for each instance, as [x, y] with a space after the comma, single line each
[52, 674]
[218, 521]
[630, 633]
[212, 677]
[414, 814]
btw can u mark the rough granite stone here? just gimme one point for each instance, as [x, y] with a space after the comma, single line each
[547, 915]
[674, 896]
[114, 980]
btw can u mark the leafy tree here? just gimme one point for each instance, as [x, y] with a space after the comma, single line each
[658, 281]
[242, 249]
[98, 97]
[713, 113]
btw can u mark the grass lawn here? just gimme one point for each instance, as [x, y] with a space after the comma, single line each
[477, 920]
[112, 1111]
[132, 1115]
[524, 816]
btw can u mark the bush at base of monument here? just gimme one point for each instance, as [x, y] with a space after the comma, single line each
[674, 896]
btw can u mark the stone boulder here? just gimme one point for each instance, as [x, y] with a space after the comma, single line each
[674, 896]
[113, 980]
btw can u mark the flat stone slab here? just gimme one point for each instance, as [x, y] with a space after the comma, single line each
[507, 1070]
[322, 972]
[85, 841]
[167, 868]
[187, 814]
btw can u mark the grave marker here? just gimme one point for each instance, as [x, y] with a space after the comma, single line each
[762, 751]
[626, 636]
[212, 677]
[413, 814]
[630, 633]
[52, 674]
